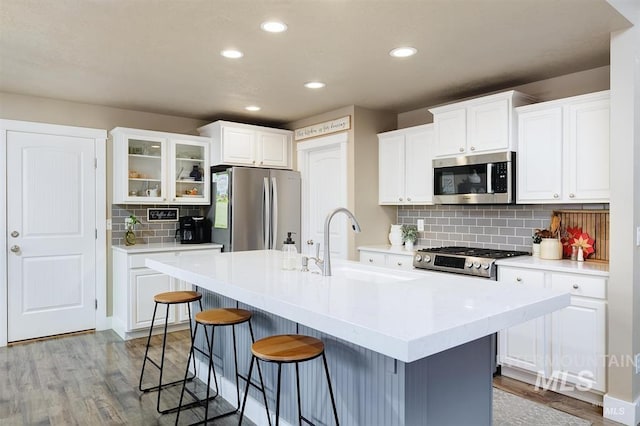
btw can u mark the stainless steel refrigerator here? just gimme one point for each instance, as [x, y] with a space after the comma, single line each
[253, 209]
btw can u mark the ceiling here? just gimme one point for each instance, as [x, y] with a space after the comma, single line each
[163, 56]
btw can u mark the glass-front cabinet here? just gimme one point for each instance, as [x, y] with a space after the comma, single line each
[159, 168]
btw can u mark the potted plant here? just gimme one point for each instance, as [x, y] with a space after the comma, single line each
[129, 236]
[409, 236]
[536, 240]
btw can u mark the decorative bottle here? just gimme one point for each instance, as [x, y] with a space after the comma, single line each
[395, 236]
[289, 254]
[196, 174]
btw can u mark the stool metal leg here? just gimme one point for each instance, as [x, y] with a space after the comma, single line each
[278, 395]
[298, 392]
[246, 393]
[164, 345]
[262, 388]
[146, 352]
[333, 401]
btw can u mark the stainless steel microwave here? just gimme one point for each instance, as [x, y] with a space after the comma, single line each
[475, 179]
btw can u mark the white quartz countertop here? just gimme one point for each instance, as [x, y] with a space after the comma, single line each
[564, 265]
[389, 249]
[160, 247]
[404, 315]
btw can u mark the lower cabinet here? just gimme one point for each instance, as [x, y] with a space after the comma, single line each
[567, 348]
[391, 260]
[135, 285]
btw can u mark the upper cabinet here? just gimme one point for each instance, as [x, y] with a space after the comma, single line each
[237, 144]
[159, 168]
[563, 150]
[404, 166]
[478, 125]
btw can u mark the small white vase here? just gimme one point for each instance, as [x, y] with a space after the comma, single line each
[408, 245]
[535, 249]
[395, 236]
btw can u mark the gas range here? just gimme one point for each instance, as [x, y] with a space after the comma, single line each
[477, 262]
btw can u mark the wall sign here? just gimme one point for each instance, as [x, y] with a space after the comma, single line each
[321, 129]
[162, 215]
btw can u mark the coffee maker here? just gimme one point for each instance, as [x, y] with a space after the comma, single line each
[194, 230]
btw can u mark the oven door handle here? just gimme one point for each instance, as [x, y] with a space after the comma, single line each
[490, 178]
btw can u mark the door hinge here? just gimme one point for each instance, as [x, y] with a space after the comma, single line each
[95, 163]
[96, 233]
[96, 304]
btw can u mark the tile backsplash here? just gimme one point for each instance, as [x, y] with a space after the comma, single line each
[147, 233]
[506, 227]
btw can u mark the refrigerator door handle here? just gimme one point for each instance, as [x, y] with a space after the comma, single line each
[274, 214]
[266, 207]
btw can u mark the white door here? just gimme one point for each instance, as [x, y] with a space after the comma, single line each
[323, 165]
[51, 227]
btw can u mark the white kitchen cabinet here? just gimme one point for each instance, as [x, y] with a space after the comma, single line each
[478, 125]
[568, 345]
[397, 260]
[405, 173]
[563, 151]
[155, 167]
[524, 345]
[238, 144]
[135, 285]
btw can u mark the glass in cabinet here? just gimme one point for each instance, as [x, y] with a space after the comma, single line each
[189, 171]
[146, 168]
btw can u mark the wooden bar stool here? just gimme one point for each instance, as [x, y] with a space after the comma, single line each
[213, 318]
[169, 299]
[285, 349]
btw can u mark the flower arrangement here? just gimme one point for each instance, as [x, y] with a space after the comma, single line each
[129, 236]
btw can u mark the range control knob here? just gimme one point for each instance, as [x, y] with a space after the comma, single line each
[418, 258]
[468, 265]
[476, 265]
[485, 266]
[427, 258]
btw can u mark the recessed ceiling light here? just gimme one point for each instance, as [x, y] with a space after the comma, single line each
[232, 54]
[314, 85]
[403, 52]
[252, 108]
[273, 27]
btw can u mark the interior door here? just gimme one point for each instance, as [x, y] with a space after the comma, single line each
[324, 188]
[51, 229]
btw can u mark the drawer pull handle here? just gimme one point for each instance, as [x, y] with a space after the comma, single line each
[370, 260]
[399, 263]
[576, 286]
[519, 279]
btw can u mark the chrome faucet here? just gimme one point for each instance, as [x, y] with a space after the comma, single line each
[325, 263]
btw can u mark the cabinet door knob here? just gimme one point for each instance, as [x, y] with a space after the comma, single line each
[571, 195]
[519, 279]
[399, 263]
[15, 234]
[576, 286]
[400, 199]
[461, 149]
[370, 260]
[261, 163]
[473, 148]
[408, 199]
[15, 249]
[555, 195]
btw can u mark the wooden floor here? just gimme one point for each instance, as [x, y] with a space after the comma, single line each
[581, 409]
[91, 379]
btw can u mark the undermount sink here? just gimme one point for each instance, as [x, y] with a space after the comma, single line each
[372, 274]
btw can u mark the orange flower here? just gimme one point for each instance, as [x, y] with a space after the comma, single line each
[585, 241]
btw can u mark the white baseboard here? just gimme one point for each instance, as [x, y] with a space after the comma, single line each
[627, 413]
[254, 409]
[119, 327]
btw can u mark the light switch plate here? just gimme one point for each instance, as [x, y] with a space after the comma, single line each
[109, 225]
[421, 226]
[637, 363]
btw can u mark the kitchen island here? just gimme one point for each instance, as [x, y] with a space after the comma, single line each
[404, 348]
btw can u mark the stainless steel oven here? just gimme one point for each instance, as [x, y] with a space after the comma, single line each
[475, 179]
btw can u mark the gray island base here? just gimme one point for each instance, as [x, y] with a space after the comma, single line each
[453, 387]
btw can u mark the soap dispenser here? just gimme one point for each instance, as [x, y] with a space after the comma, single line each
[289, 254]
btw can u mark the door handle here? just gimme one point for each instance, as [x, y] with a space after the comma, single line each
[15, 249]
[310, 242]
[15, 234]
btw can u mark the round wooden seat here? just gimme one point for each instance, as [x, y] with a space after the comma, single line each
[287, 348]
[172, 297]
[223, 316]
